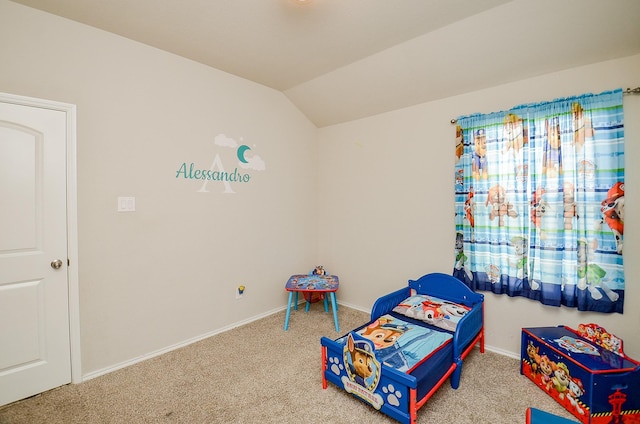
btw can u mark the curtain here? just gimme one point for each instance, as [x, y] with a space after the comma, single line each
[539, 201]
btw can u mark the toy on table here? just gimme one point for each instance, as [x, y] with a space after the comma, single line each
[319, 270]
[313, 297]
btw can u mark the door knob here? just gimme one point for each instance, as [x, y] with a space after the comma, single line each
[56, 264]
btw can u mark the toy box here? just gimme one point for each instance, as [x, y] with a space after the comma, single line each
[584, 370]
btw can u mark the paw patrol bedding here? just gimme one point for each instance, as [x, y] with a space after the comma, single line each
[433, 310]
[398, 344]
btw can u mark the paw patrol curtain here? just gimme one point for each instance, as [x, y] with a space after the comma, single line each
[539, 200]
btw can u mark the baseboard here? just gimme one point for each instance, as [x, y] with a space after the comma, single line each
[502, 352]
[167, 349]
[356, 307]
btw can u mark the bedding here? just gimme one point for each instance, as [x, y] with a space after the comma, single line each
[397, 360]
[432, 310]
[399, 344]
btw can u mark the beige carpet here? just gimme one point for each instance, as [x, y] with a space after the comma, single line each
[259, 373]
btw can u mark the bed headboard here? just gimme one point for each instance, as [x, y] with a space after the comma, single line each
[447, 287]
[438, 285]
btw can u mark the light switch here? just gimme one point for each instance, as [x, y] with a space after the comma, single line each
[126, 204]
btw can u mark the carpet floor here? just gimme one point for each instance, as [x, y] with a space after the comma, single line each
[258, 373]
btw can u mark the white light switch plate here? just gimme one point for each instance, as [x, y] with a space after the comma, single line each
[126, 204]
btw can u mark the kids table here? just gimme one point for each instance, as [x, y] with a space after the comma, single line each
[325, 285]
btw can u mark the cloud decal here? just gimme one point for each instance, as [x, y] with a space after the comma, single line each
[224, 141]
[247, 159]
[254, 162]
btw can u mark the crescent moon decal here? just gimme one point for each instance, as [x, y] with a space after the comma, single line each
[241, 151]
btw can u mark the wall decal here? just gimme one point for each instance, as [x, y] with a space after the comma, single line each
[241, 150]
[247, 161]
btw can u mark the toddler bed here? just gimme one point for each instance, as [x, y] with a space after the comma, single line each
[418, 337]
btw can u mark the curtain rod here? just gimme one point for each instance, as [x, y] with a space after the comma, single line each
[627, 91]
[632, 91]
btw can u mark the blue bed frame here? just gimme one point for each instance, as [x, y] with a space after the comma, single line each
[400, 395]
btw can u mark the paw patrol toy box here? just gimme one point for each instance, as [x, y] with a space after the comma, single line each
[584, 370]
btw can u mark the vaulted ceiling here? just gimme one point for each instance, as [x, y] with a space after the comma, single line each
[340, 60]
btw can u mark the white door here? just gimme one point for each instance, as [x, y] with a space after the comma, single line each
[35, 350]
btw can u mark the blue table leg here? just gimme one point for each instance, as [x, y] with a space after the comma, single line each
[334, 306]
[295, 305]
[286, 318]
[326, 302]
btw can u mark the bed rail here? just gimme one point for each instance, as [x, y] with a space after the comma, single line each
[385, 304]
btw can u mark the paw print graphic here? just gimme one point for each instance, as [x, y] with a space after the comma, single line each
[393, 395]
[335, 365]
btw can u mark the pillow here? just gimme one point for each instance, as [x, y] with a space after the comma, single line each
[432, 310]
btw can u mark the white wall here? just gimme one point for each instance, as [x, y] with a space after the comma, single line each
[390, 218]
[167, 273]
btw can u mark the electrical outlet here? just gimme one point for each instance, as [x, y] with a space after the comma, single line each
[240, 292]
[126, 204]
